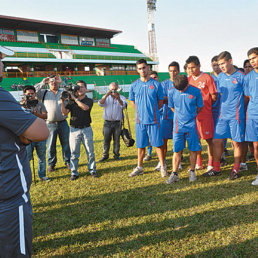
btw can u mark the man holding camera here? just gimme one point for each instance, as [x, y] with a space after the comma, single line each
[80, 131]
[113, 104]
[56, 121]
[17, 128]
[30, 103]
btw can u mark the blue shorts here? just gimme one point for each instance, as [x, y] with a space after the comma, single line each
[234, 129]
[190, 135]
[146, 133]
[167, 128]
[251, 130]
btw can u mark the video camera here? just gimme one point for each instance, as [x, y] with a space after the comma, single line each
[28, 103]
[70, 88]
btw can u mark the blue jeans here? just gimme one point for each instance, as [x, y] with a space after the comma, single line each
[84, 135]
[41, 153]
[62, 130]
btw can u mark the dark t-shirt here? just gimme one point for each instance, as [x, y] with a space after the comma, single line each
[79, 117]
[15, 173]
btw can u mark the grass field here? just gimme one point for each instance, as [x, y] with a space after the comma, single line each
[115, 215]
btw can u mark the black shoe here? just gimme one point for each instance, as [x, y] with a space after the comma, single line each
[94, 174]
[212, 173]
[234, 175]
[73, 177]
[103, 158]
[117, 158]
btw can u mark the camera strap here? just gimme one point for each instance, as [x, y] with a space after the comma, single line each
[44, 95]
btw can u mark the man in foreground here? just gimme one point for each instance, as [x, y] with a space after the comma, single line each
[146, 95]
[17, 128]
[186, 102]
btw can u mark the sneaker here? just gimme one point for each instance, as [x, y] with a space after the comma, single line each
[198, 167]
[180, 166]
[117, 158]
[243, 166]
[46, 179]
[94, 174]
[212, 173]
[192, 176]
[147, 157]
[209, 168]
[255, 182]
[234, 175]
[157, 168]
[51, 168]
[74, 177]
[173, 178]
[103, 158]
[163, 171]
[251, 157]
[136, 172]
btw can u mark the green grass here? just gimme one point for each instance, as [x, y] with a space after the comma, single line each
[115, 215]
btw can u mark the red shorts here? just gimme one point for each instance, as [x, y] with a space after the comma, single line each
[205, 127]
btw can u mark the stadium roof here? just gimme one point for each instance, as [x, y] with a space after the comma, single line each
[18, 23]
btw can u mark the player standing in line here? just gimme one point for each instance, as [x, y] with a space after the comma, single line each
[231, 120]
[186, 102]
[204, 120]
[146, 95]
[251, 91]
[167, 113]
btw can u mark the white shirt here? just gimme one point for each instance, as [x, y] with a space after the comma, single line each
[112, 108]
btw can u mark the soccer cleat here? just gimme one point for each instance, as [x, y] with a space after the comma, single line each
[136, 172]
[234, 175]
[209, 168]
[192, 176]
[163, 171]
[212, 173]
[157, 168]
[147, 157]
[46, 179]
[173, 178]
[255, 182]
[198, 167]
[243, 167]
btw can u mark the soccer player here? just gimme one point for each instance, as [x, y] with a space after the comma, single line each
[204, 120]
[146, 95]
[231, 119]
[154, 75]
[247, 66]
[186, 102]
[167, 114]
[251, 91]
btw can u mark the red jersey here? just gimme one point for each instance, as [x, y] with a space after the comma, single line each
[206, 84]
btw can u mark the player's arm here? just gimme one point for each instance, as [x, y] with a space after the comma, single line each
[199, 110]
[133, 103]
[165, 101]
[42, 115]
[160, 103]
[214, 97]
[64, 110]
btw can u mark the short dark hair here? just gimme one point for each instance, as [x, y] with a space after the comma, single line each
[28, 87]
[193, 59]
[176, 64]
[246, 61]
[52, 76]
[180, 82]
[154, 72]
[214, 59]
[224, 55]
[83, 82]
[253, 50]
[141, 61]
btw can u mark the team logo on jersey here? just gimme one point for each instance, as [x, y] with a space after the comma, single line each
[201, 85]
[151, 87]
[235, 81]
[191, 96]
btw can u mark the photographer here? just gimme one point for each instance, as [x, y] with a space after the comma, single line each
[56, 121]
[80, 131]
[29, 102]
[16, 127]
[113, 104]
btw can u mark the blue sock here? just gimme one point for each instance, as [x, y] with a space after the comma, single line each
[149, 151]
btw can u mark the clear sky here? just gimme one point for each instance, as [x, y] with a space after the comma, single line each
[183, 27]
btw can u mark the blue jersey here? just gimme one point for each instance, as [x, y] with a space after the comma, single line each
[185, 105]
[146, 96]
[167, 113]
[232, 95]
[251, 89]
